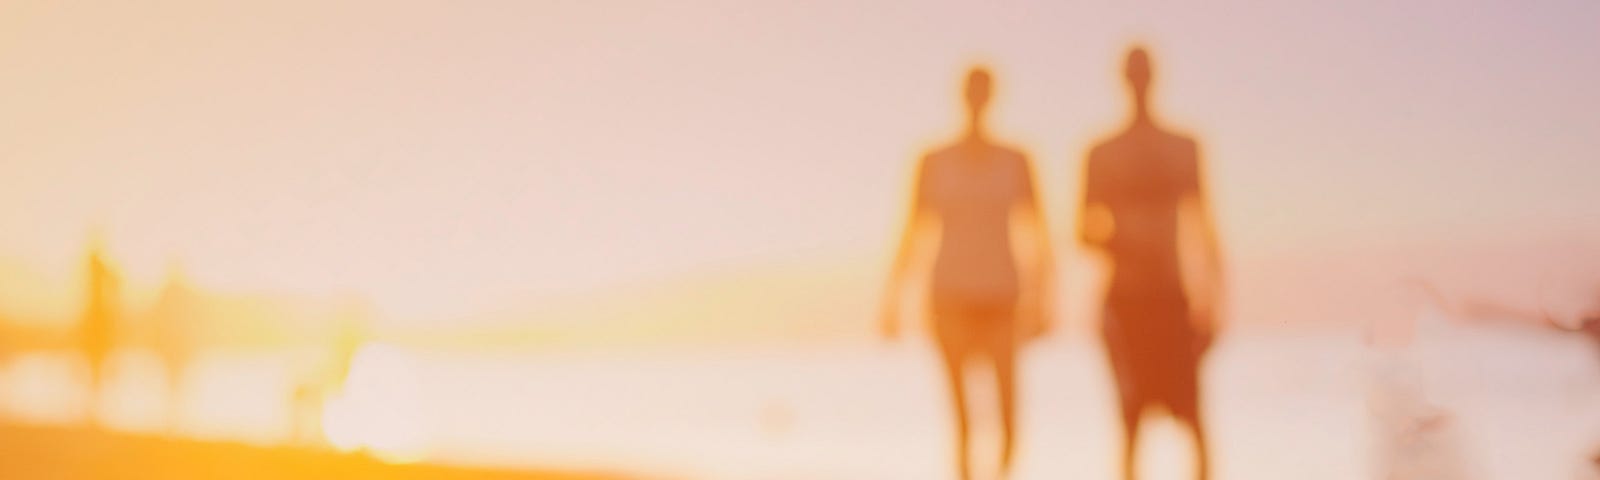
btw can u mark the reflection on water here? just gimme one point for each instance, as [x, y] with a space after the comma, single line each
[1287, 404]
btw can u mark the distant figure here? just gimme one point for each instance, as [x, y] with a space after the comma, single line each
[175, 319]
[1143, 188]
[971, 191]
[97, 328]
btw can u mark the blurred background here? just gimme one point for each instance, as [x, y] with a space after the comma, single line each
[650, 238]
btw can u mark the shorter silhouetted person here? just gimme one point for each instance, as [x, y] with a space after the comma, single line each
[1142, 187]
[174, 321]
[967, 195]
[96, 330]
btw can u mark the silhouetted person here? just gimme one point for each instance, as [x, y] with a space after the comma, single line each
[174, 320]
[97, 327]
[1141, 185]
[971, 190]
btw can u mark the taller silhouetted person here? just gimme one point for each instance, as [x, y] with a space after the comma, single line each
[97, 327]
[971, 191]
[1142, 188]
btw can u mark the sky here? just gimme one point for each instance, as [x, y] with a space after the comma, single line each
[445, 159]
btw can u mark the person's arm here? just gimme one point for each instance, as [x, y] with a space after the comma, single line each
[1039, 293]
[894, 292]
[1094, 222]
[1210, 306]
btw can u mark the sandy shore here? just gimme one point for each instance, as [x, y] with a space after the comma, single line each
[34, 452]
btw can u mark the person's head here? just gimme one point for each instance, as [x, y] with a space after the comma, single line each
[1136, 69]
[978, 90]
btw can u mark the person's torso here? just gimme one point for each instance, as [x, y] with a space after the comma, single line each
[973, 193]
[1143, 182]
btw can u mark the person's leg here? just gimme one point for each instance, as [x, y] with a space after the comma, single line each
[954, 354]
[1187, 408]
[1202, 455]
[1132, 413]
[1130, 400]
[1131, 406]
[1003, 352]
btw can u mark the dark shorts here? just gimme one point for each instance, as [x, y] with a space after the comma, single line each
[1151, 347]
[974, 326]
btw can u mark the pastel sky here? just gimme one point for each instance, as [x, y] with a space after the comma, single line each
[448, 157]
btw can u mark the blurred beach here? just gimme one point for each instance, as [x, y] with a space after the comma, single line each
[1285, 402]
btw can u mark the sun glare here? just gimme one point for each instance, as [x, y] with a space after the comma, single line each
[377, 408]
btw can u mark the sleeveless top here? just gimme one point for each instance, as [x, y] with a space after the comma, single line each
[973, 191]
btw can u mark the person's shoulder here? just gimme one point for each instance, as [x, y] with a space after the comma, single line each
[1184, 152]
[1180, 141]
[1016, 160]
[1010, 153]
[1106, 146]
[1112, 142]
[1096, 152]
[1190, 146]
[935, 157]
[943, 152]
